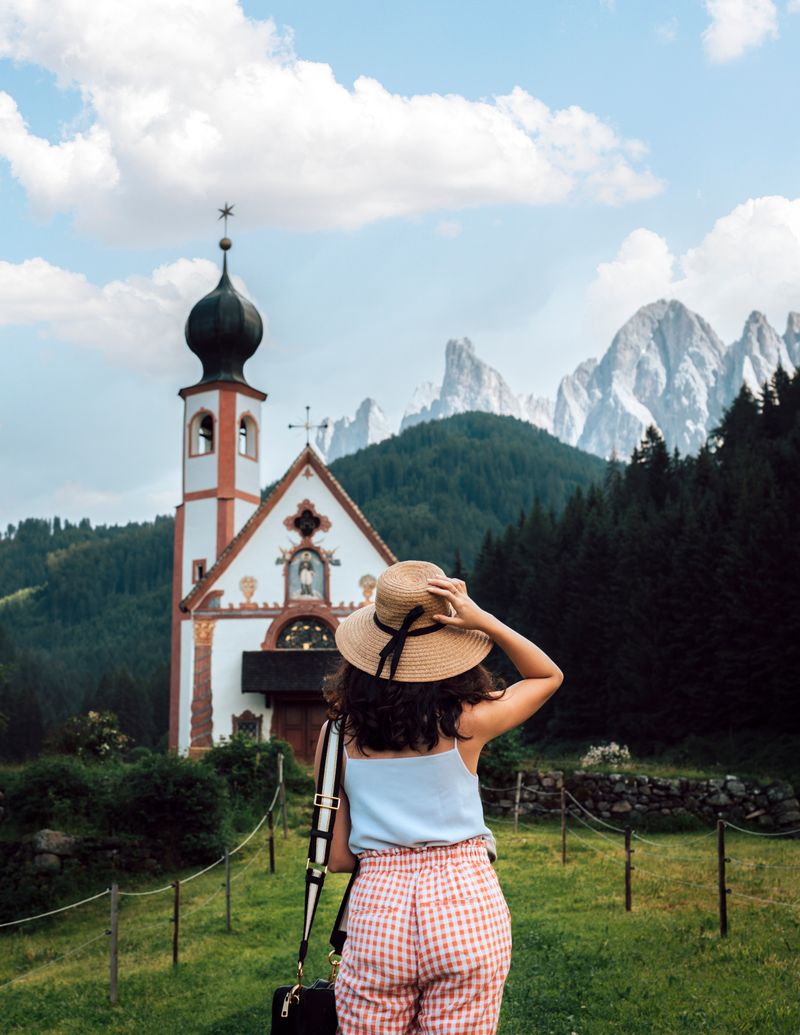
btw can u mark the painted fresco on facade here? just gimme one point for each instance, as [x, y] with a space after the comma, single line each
[306, 576]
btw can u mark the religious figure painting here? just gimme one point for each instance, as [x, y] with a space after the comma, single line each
[306, 576]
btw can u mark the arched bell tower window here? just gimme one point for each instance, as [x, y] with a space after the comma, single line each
[306, 634]
[201, 434]
[248, 436]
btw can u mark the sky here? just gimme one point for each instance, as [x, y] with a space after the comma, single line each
[525, 175]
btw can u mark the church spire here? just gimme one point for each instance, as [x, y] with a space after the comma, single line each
[224, 329]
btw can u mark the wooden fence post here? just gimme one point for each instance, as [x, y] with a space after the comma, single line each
[516, 801]
[113, 955]
[227, 890]
[176, 921]
[563, 827]
[282, 794]
[628, 851]
[723, 891]
[271, 823]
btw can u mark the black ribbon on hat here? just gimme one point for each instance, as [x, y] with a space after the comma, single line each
[398, 637]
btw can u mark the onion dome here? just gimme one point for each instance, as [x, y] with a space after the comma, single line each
[224, 329]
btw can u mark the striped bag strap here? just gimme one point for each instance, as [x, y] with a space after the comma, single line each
[326, 805]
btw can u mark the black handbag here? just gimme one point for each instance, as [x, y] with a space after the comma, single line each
[300, 1009]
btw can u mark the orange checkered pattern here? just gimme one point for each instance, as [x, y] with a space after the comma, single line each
[428, 944]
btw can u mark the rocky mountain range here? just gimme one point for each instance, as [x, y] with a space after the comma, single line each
[665, 366]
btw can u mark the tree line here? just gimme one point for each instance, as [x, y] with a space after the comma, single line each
[669, 593]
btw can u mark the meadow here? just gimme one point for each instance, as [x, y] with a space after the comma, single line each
[581, 964]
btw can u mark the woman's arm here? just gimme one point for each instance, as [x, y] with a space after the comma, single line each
[541, 677]
[341, 859]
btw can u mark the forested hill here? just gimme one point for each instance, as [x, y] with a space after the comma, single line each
[439, 486]
[84, 611]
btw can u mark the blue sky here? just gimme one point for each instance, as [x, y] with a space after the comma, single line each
[525, 175]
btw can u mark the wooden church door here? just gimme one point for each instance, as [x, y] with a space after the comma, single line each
[299, 723]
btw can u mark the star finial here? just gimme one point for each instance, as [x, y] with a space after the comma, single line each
[224, 212]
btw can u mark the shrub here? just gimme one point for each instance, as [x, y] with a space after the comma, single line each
[181, 808]
[250, 769]
[95, 736]
[607, 754]
[54, 791]
[138, 753]
[502, 758]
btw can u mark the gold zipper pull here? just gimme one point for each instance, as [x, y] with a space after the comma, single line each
[286, 1000]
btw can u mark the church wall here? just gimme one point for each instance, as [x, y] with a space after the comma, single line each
[187, 679]
[202, 401]
[242, 511]
[231, 637]
[201, 472]
[199, 537]
[247, 477]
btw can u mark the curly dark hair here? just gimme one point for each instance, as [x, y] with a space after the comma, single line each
[385, 715]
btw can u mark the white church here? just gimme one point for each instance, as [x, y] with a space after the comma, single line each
[258, 588]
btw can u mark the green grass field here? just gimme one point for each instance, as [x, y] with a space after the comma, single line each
[581, 964]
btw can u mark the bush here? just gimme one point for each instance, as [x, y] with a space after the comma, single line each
[138, 753]
[502, 758]
[95, 736]
[180, 807]
[607, 754]
[56, 791]
[250, 769]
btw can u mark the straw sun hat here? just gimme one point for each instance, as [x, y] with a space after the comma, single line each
[397, 636]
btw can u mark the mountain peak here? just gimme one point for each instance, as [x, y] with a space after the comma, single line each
[468, 384]
[456, 346]
[659, 369]
[754, 357]
[348, 434]
[756, 319]
[792, 337]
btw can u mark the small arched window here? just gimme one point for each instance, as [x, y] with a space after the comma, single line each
[247, 436]
[202, 434]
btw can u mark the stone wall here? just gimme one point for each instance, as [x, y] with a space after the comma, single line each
[53, 851]
[629, 798]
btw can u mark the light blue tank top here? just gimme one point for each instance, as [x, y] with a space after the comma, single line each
[415, 802]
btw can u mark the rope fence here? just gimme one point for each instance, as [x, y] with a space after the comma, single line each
[52, 912]
[667, 852]
[178, 915]
[618, 854]
[763, 833]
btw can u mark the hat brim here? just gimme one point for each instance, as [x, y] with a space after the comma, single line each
[447, 652]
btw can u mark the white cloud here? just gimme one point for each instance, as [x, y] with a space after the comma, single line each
[737, 26]
[185, 103]
[793, 7]
[750, 259]
[448, 228]
[135, 323]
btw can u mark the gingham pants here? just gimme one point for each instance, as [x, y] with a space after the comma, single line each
[428, 944]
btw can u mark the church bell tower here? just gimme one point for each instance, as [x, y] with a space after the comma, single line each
[222, 418]
[220, 448]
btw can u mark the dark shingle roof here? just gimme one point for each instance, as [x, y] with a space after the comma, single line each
[286, 671]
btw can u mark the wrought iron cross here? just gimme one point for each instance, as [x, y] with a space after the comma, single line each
[309, 427]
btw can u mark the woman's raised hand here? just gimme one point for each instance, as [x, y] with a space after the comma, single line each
[467, 613]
